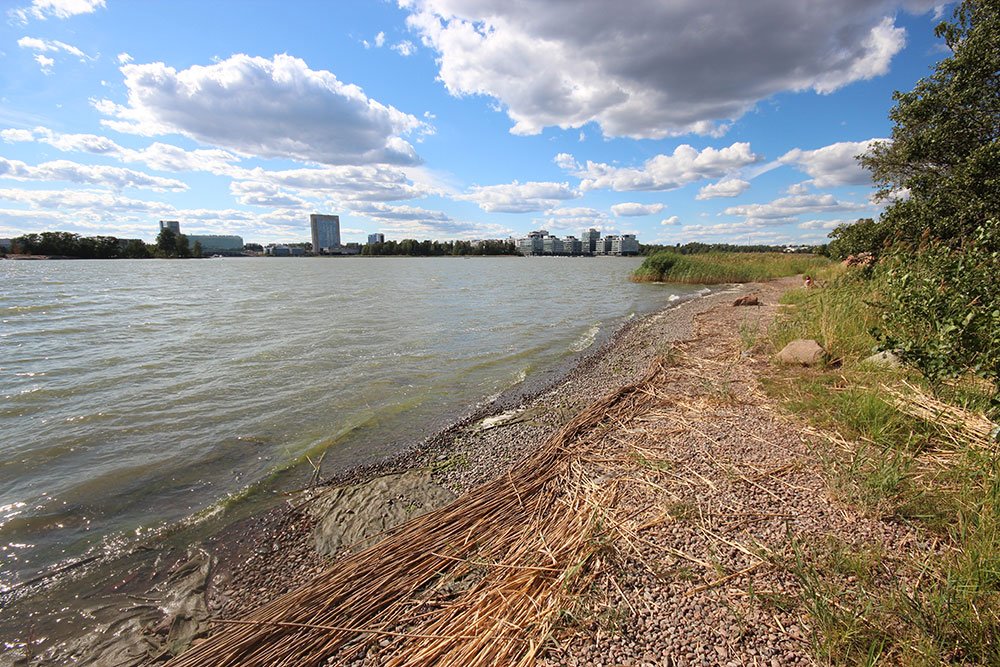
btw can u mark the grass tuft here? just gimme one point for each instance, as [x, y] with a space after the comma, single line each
[720, 267]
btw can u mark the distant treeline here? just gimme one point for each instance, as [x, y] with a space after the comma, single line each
[700, 248]
[414, 248]
[67, 244]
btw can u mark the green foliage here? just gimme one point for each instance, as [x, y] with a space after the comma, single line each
[945, 147]
[855, 238]
[697, 248]
[720, 268]
[940, 308]
[67, 244]
[426, 248]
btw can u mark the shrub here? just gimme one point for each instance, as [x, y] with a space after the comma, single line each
[940, 309]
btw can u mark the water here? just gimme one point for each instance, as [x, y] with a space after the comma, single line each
[135, 394]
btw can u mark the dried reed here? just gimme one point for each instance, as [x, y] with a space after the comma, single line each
[514, 549]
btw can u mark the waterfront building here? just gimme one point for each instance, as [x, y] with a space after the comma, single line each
[533, 243]
[624, 245]
[376, 238]
[572, 245]
[216, 243]
[278, 251]
[590, 239]
[325, 233]
[552, 245]
[172, 225]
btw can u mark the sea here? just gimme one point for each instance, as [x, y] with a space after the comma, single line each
[136, 395]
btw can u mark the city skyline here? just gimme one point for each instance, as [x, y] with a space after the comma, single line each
[452, 120]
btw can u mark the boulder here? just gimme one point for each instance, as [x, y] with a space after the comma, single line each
[748, 300]
[884, 359]
[802, 353]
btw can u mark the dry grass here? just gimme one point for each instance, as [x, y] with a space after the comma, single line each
[479, 582]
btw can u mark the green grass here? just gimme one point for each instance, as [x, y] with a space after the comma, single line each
[885, 470]
[721, 268]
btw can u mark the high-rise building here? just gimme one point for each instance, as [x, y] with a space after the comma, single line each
[376, 238]
[172, 225]
[325, 232]
[590, 239]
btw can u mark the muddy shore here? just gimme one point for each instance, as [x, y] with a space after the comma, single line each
[158, 613]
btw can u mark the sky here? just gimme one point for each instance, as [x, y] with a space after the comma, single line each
[676, 120]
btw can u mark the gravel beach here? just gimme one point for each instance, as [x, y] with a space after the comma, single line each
[719, 492]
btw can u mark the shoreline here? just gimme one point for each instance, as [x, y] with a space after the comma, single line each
[259, 557]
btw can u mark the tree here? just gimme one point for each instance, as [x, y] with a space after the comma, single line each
[854, 238]
[943, 161]
[166, 242]
[196, 251]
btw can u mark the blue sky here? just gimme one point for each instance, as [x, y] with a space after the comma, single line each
[677, 120]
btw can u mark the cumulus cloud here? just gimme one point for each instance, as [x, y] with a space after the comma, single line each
[64, 170]
[574, 217]
[272, 108]
[730, 187]
[60, 9]
[159, 156]
[787, 209]
[651, 69]
[832, 165]
[82, 200]
[371, 183]
[566, 161]
[519, 197]
[630, 209]
[668, 172]
[404, 48]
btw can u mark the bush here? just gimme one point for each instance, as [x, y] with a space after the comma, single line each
[940, 309]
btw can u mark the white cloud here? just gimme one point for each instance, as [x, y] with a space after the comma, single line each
[650, 69]
[98, 201]
[575, 217]
[60, 9]
[730, 187]
[832, 165]
[64, 170]
[51, 46]
[124, 58]
[823, 224]
[519, 197]
[12, 135]
[672, 220]
[798, 188]
[346, 184]
[159, 156]
[628, 209]
[277, 108]
[45, 63]
[255, 193]
[787, 209]
[404, 48]
[566, 161]
[379, 39]
[668, 172]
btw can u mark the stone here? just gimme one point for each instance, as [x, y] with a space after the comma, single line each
[802, 353]
[748, 300]
[884, 359]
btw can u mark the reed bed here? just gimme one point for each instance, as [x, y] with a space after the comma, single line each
[479, 582]
[721, 268]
